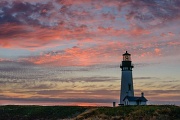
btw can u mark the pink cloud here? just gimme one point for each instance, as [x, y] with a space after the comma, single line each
[23, 36]
[157, 50]
[100, 54]
[134, 31]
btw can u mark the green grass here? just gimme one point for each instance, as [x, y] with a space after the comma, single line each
[162, 112]
[159, 112]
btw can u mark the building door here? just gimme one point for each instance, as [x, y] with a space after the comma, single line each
[138, 102]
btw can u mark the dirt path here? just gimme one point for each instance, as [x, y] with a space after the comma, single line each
[86, 114]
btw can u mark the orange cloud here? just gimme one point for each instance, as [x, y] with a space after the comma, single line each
[102, 52]
[139, 31]
[77, 56]
[24, 36]
[70, 57]
[157, 51]
[169, 34]
[109, 52]
[135, 31]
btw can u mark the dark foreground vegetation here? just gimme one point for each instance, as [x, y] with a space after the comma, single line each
[163, 112]
[12, 112]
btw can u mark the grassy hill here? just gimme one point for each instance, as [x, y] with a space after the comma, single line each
[166, 112]
[163, 112]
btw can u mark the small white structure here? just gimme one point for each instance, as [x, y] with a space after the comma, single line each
[129, 100]
[127, 89]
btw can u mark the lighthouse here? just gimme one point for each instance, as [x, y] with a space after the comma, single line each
[127, 90]
[126, 78]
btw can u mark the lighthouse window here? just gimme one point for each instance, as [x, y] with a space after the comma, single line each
[129, 86]
[125, 68]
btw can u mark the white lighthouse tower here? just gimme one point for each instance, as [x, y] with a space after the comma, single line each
[126, 78]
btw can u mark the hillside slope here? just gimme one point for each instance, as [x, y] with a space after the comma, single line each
[165, 112]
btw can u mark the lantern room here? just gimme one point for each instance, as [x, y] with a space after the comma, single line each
[126, 56]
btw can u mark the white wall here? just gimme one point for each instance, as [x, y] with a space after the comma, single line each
[126, 79]
[132, 103]
[143, 103]
[126, 102]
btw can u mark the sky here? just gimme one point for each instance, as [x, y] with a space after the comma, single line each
[68, 52]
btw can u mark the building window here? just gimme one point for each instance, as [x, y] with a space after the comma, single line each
[129, 86]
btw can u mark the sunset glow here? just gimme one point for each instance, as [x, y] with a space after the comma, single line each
[68, 52]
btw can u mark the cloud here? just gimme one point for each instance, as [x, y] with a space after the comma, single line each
[68, 96]
[88, 56]
[55, 100]
[33, 24]
[72, 92]
[144, 78]
[87, 79]
[39, 12]
[131, 32]
[19, 75]
[153, 12]
[38, 86]
[167, 95]
[70, 57]
[102, 96]
[27, 13]
[14, 35]
[23, 36]
[29, 37]
[18, 71]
